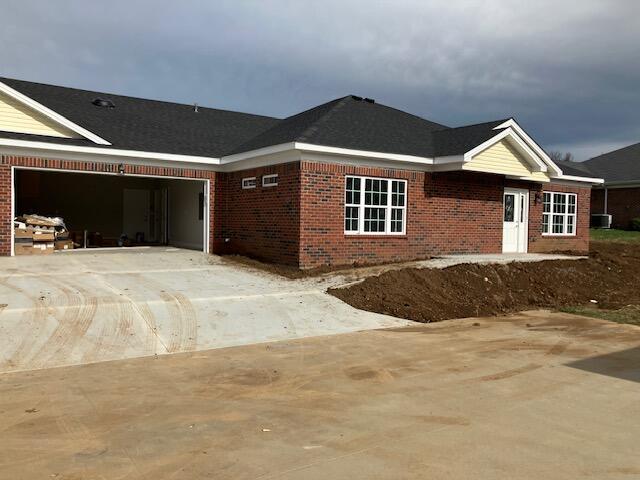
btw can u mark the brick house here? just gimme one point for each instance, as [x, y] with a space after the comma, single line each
[347, 181]
[619, 196]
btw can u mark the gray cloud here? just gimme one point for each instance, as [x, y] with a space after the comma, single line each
[568, 71]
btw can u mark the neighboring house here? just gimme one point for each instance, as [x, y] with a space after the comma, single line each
[347, 181]
[620, 194]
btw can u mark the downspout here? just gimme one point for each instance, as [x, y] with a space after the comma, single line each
[606, 199]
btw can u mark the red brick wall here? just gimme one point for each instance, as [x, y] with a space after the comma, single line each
[6, 161]
[300, 221]
[622, 203]
[579, 242]
[262, 222]
[446, 213]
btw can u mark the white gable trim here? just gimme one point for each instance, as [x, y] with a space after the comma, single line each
[511, 123]
[534, 160]
[50, 114]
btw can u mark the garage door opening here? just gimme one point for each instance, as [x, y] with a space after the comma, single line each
[102, 211]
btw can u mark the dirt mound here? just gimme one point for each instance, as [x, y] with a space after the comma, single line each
[611, 276]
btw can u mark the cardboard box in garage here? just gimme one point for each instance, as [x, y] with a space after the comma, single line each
[44, 236]
[23, 233]
[63, 245]
[43, 248]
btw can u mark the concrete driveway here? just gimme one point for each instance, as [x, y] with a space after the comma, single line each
[533, 396]
[83, 307]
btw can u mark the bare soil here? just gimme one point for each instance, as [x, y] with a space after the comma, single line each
[609, 279]
[293, 273]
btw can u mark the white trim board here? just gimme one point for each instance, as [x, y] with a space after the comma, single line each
[274, 155]
[307, 147]
[104, 152]
[113, 174]
[50, 114]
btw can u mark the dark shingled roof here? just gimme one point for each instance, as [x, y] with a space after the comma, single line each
[622, 165]
[149, 125]
[351, 122]
[577, 169]
[454, 141]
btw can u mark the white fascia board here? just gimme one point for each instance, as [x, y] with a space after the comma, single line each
[520, 145]
[103, 152]
[573, 178]
[283, 147]
[448, 159]
[307, 147]
[511, 123]
[451, 166]
[47, 112]
[529, 179]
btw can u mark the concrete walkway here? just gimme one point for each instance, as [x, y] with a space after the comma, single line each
[355, 275]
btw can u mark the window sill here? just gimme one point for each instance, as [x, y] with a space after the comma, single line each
[373, 235]
[559, 235]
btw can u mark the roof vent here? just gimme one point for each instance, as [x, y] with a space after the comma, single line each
[369, 100]
[104, 102]
[356, 98]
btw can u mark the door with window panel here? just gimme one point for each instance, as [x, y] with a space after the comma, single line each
[515, 220]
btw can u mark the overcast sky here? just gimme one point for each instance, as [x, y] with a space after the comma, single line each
[569, 72]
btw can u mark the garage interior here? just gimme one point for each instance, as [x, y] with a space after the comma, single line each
[105, 210]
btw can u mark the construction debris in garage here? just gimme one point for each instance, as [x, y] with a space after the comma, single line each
[38, 235]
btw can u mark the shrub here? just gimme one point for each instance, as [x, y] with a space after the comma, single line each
[635, 224]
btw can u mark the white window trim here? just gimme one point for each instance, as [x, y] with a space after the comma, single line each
[247, 187]
[565, 215]
[266, 185]
[361, 208]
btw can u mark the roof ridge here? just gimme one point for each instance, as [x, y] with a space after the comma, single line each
[202, 107]
[412, 115]
[612, 151]
[474, 125]
[308, 132]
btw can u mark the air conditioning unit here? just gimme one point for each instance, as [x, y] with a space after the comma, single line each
[600, 220]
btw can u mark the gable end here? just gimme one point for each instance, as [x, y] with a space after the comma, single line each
[18, 118]
[503, 158]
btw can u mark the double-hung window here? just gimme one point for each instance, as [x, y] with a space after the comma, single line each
[375, 206]
[559, 213]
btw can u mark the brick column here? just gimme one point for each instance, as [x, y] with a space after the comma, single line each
[6, 222]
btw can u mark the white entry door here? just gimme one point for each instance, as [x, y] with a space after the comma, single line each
[516, 219]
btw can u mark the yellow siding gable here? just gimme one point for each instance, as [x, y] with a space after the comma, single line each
[502, 158]
[16, 117]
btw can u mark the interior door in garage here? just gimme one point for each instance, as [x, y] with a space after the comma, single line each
[136, 204]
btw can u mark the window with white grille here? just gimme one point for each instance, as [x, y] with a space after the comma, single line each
[559, 213]
[375, 206]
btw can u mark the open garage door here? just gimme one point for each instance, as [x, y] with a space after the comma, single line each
[109, 211]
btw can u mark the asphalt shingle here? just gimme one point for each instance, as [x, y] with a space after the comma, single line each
[147, 125]
[349, 122]
[622, 165]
